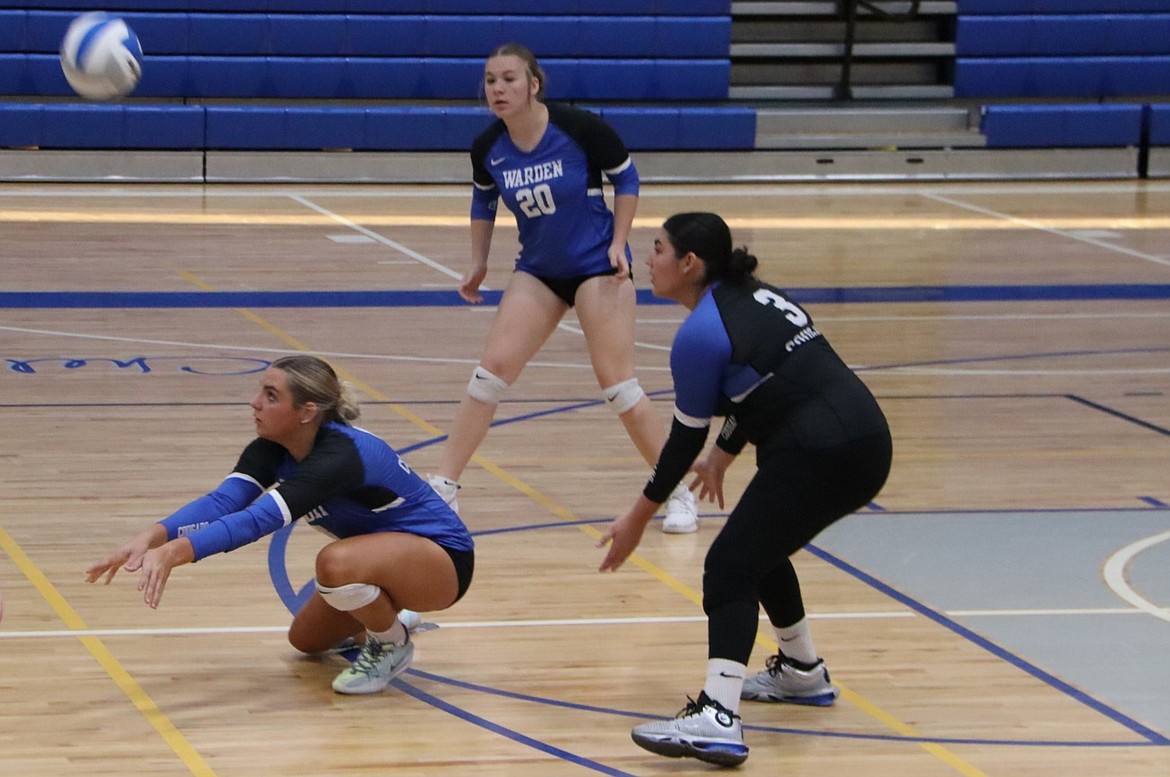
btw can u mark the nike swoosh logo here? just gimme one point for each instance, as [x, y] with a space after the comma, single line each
[495, 162]
[787, 639]
[731, 676]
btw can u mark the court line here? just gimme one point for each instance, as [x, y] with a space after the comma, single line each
[271, 350]
[122, 678]
[1043, 225]
[939, 752]
[649, 191]
[563, 622]
[1114, 572]
[495, 728]
[1066, 226]
[997, 651]
[484, 289]
[773, 729]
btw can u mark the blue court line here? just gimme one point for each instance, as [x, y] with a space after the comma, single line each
[1118, 414]
[1055, 682]
[451, 298]
[775, 729]
[515, 736]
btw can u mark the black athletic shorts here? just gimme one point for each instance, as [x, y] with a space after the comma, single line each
[566, 288]
[464, 561]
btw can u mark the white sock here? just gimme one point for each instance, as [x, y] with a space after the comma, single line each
[395, 635]
[724, 682]
[796, 642]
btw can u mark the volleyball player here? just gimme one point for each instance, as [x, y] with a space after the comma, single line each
[545, 161]
[749, 353]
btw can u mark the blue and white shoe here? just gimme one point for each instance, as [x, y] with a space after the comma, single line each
[783, 681]
[375, 666]
[703, 729]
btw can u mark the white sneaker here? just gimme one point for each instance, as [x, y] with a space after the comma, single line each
[782, 681]
[682, 515]
[704, 729]
[448, 489]
[375, 666]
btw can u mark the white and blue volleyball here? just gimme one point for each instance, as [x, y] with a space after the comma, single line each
[101, 57]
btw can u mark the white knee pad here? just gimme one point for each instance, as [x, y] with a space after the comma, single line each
[486, 387]
[623, 396]
[349, 597]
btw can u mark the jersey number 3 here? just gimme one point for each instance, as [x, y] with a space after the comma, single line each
[537, 201]
[791, 311]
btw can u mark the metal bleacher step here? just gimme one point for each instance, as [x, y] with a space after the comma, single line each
[833, 7]
[883, 49]
[882, 141]
[862, 127]
[822, 92]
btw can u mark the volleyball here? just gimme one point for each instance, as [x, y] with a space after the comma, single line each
[101, 57]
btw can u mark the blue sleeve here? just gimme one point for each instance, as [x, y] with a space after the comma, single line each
[698, 358]
[484, 202]
[264, 516]
[625, 178]
[234, 493]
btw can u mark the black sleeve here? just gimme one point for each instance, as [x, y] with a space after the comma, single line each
[602, 144]
[333, 467]
[682, 448]
[479, 149]
[731, 438]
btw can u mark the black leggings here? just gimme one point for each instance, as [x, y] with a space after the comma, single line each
[794, 495]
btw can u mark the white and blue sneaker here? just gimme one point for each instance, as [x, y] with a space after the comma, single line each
[703, 729]
[785, 681]
[682, 514]
[375, 666]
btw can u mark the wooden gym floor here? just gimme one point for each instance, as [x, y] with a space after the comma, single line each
[1000, 610]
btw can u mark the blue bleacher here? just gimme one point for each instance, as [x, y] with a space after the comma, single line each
[402, 35]
[1053, 36]
[375, 128]
[665, 63]
[1062, 126]
[1159, 117]
[536, 7]
[975, 7]
[1072, 54]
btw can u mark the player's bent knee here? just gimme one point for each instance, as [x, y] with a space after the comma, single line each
[486, 387]
[622, 397]
[349, 597]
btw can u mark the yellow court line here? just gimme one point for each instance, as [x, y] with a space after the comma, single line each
[162, 724]
[642, 563]
[833, 222]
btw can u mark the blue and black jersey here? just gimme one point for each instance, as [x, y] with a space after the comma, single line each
[351, 483]
[555, 191]
[752, 355]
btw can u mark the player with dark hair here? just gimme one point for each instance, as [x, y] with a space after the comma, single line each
[546, 162]
[396, 544]
[747, 352]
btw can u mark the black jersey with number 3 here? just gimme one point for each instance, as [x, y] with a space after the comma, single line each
[751, 354]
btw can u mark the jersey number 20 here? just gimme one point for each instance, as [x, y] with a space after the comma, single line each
[537, 201]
